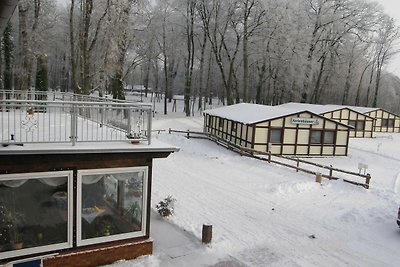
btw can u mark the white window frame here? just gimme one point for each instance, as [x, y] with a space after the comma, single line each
[96, 240]
[47, 248]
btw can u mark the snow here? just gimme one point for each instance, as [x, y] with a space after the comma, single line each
[268, 215]
[321, 109]
[251, 113]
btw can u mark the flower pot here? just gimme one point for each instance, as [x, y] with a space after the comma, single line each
[135, 141]
[18, 245]
[166, 213]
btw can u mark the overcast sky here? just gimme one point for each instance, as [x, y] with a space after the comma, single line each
[392, 8]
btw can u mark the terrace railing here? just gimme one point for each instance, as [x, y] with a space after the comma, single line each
[27, 117]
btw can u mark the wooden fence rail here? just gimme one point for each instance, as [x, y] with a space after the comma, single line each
[244, 151]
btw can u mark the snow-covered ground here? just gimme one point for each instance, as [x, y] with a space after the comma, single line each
[267, 215]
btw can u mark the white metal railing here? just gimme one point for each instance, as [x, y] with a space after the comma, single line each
[57, 121]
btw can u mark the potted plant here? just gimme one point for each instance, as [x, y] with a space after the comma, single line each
[166, 207]
[134, 211]
[133, 137]
[9, 227]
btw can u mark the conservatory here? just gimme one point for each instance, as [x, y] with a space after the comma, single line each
[76, 195]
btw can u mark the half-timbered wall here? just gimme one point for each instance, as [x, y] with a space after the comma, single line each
[284, 137]
[385, 121]
[363, 125]
[231, 131]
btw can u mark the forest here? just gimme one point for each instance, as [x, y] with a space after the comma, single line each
[259, 51]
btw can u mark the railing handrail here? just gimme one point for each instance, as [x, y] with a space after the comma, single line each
[56, 103]
[135, 120]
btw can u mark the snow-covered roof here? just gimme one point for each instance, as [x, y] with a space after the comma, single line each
[318, 109]
[362, 109]
[321, 109]
[251, 113]
[86, 148]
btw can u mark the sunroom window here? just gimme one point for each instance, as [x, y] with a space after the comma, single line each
[35, 212]
[111, 204]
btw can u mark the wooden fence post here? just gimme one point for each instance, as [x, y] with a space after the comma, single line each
[367, 180]
[318, 177]
[169, 130]
[187, 135]
[297, 165]
[206, 234]
[330, 171]
[269, 156]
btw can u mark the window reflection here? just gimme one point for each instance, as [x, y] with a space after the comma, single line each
[112, 204]
[33, 213]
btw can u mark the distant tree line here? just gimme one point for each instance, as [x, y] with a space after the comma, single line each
[260, 51]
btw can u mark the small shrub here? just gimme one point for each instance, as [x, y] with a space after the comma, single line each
[166, 207]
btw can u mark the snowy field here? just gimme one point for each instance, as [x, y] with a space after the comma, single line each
[267, 215]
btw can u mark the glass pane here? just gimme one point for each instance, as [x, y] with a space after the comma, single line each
[316, 137]
[111, 204]
[276, 135]
[360, 125]
[391, 123]
[384, 122]
[33, 213]
[329, 137]
[352, 123]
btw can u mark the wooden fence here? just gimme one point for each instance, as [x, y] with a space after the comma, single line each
[289, 162]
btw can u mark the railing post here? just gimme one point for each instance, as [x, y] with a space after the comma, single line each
[149, 119]
[128, 130]
[74, 125]
[367, 180]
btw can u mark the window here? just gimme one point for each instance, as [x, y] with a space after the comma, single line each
[357, 125]
[390, 122]
[35, 213]
[220, 122]
[275, 136]
[352, 123]
[233, 125]
[111, 204]
[360, 126]
[329, 137]
[316, 137]
[385, 122]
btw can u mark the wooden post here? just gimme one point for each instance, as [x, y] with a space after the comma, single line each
[367, 180]
[206, 234]
[269, 156]
[187, 134]
[330, 171]
[318, 177]
[297, 165]
[169, 130]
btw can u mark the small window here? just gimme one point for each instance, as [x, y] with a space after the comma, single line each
[221, 122]
[390, 122]
[329, 137]
[316, 137]
[360, 125]
[275, 136]
[385, 122]
[352, 123]
[233, 127]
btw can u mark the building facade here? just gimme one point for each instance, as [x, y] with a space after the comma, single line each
[279, 130]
